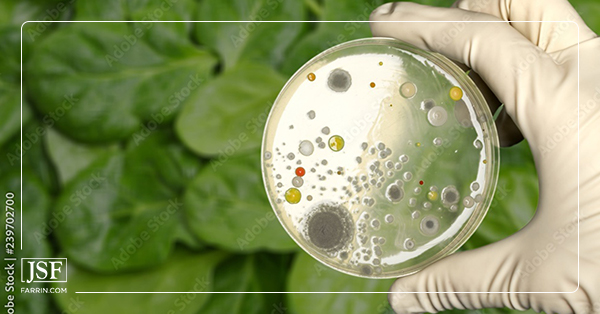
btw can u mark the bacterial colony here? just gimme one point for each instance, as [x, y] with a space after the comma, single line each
[377, 160]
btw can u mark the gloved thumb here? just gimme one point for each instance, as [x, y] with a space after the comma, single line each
[450, 282]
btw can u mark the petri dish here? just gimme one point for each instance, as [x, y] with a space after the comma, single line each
[379, 158]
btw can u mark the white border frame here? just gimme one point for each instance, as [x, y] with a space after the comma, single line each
[337, 292]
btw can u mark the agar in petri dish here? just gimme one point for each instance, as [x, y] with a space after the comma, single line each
[411, 165]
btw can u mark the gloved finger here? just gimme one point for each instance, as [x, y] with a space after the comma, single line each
[492, 48]
[492, 268]
[550, 36]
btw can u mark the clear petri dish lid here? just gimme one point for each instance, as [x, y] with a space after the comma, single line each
[379, 158]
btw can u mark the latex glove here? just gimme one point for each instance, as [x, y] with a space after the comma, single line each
[532, 68]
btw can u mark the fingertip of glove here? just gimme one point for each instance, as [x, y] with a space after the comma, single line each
[398, 299]
[396, 10]
[382, 10]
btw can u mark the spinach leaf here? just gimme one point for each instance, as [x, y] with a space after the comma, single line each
[130, 80]
[108, 10]
[35, 202]
[30, 152]
[10, 63]
[123, 211]
[254, 40]
[70, 158]
[37, 180]
[13, 37]
[308, 275]
[589, 11]
[228, 207]
[139, 10]
[180, 10]
[173, 36]
[184, 272]
[16, 12]
[259, 272]
[10, 111]
[10, 93]
[228, 114]
[36, 199]
[328, 34]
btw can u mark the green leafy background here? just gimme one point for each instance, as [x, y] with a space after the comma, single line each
[140, 153]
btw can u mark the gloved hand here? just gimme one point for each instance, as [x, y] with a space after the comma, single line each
[533, 69]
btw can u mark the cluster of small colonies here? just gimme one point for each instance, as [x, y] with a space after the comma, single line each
[306, 148]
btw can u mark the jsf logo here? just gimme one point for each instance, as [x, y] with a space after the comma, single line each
[44, 270]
